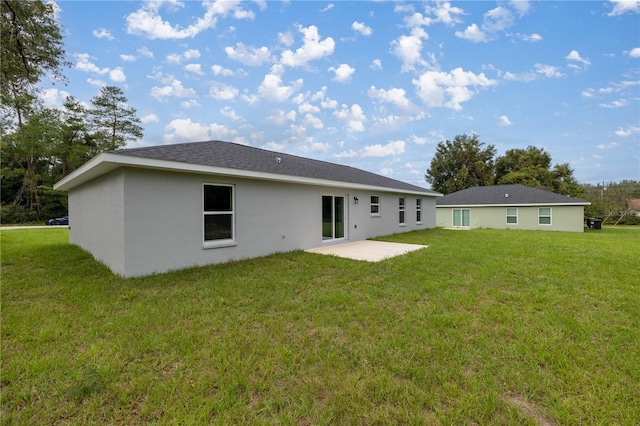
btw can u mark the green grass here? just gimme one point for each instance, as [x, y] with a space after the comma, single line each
[483, 327]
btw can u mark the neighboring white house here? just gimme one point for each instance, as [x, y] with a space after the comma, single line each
[510, 207]
[154, 209]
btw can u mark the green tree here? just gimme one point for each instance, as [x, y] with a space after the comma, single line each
[113, 121]
[532, 167]
[31, 47]
[460, 164]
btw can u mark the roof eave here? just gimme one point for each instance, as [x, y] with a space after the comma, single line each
[107, 162]
[586, 203]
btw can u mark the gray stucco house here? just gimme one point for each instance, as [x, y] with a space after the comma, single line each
[154, 209]
[510, 207]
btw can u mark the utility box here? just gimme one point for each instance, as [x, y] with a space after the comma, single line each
[594, 223]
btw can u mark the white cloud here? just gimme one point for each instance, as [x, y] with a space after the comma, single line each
[376, 64]
[229, 112]
[286, 38]
[147, 21]
[53, 98]
[343, 73]
[445, 13]
[354, 117]
[409, 48]
[149, 118]
[433, 136]
[630, 130]
[194, 68]
[531, 37]
[273, 146]
[279, 117]
[128, 58]
[222, 92]
[620, 7]
[117, 75]
[102, 33]
[616, 104]
[395, 96]
[607, 146]
[313, 48]
[498, 19]
[313, 121]
[144, 51]
[548, 71]
[377, 150]
[222, 71]
[190, 103]
[191, 54]
[574, 57]
[450, 89]
[472, 33]
[521, 6]
[306, 107]
[185, 130]
[635, 52]
[175, 88]
[361, 28]
[83, 63]
[318, 147]
[249, 55]
[272, 88]
[327, 7]
[504, 121]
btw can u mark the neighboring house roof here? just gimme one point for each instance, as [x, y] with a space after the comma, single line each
[506, 195]
[634, 204]
[231, 159]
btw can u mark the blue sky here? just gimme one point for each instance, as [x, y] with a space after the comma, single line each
[374, 85]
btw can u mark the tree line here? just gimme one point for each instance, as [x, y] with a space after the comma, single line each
[38, 145]
[466, 162]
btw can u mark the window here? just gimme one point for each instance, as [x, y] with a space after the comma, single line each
[419, 210]
[461, 217]
[544, 216]
[218, 214]
[512, 216]
[401, 210]
[375, 205]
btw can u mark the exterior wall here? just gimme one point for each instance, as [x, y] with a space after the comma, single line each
[161, 219]
[96, 212]
[563, 218]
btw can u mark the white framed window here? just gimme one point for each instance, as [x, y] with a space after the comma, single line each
[375, 205]
[218, 214]
[418, 210]
[544, 216]
[512, 215]
[401, 210]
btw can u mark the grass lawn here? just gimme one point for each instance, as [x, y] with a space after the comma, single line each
[483, 327]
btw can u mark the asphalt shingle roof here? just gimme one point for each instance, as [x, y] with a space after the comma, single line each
[504, 195]
[242, 157]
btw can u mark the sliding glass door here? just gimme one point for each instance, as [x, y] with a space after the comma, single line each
[333, 217]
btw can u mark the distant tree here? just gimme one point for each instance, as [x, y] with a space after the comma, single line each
[532, 167]
[460, 164]
[76, 143]
[113, 121]
[31, 47]
[611, 200]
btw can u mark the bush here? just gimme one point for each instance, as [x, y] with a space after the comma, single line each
[14, 213]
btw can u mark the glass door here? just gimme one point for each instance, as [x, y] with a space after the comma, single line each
[333, 218]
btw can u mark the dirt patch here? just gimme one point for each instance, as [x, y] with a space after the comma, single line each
[529, 409]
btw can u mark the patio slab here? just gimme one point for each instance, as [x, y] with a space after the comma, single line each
[370, 251]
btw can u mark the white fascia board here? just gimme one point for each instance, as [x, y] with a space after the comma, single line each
[513, 205]
[106, 162]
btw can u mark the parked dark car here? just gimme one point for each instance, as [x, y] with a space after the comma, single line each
[59, 221]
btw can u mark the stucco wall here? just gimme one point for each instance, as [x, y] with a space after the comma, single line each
[161, 219]
[96, 214]
[563, 218]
